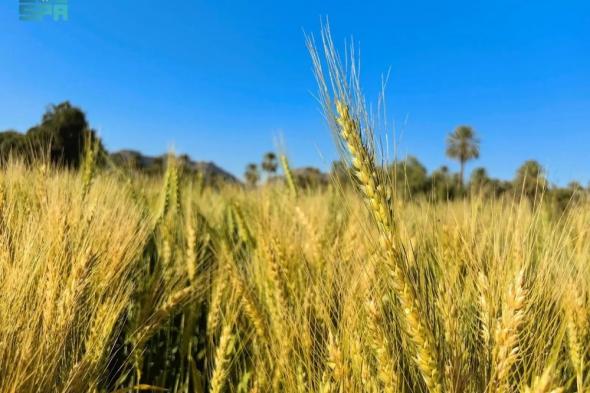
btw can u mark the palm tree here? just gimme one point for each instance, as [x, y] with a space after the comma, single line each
[463, 145]
[252, 175]
[269, 163]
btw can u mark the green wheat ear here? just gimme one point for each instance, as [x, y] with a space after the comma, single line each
[91, 149]
[170, 196]
[244, 231]
[288, 175]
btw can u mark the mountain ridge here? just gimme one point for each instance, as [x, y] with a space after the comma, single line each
[138, 160]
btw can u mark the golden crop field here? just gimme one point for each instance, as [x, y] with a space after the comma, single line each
[118, 282]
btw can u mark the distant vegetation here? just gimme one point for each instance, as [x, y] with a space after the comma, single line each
[63, 132]
[59, 137]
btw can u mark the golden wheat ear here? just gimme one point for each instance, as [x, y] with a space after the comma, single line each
[223, 353]
[506, 351]
[386, 364]
[347, 122]
[170, 306]
[544, 383]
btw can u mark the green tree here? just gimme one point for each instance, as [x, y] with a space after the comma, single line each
[479, 177]
[60, 137]
[575, 186]
[479, 181]
[62, 134]
[310, 178]
[411, 176]
[563, 198]
[252, 174]
[11, 143]
[443, 185]
[530, 179]
[463, 145]
[269, 163]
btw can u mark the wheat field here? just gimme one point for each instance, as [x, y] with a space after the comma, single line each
[111, 282]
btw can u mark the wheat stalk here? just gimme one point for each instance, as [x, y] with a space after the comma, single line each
[576, 322]
[386, 373]
[505, 350]
[222, 356]
[425, 356]
[91, 149]
[191, 259]
[543, 383]
[170, 306]
[251, 306]
[288, 174]
[337, 363]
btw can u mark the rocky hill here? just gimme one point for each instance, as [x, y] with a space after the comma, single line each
[153, 164]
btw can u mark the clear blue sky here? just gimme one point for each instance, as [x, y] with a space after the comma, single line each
[219, 79]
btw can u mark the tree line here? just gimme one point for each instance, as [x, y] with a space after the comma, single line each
[63, 133]
[412, 180]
